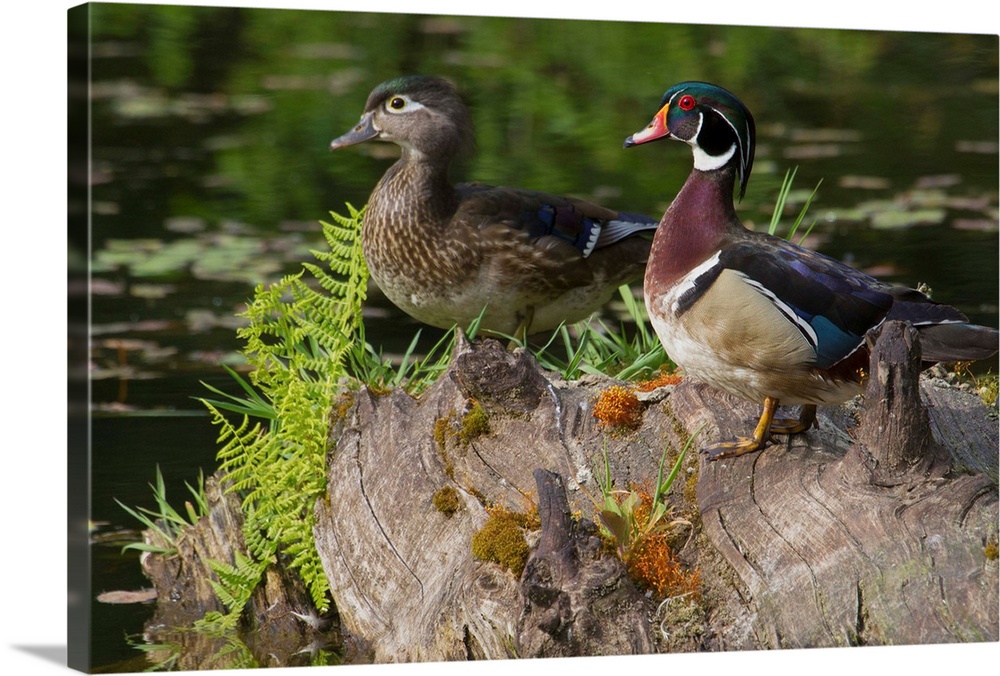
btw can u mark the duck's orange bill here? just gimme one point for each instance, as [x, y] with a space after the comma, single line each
[656, 129]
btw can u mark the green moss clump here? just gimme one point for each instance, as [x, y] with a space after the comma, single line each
[991, 551]
[474, 425]
[341, 405]
[989, 390]
[502, 540]
[446, 500]
[442, 430]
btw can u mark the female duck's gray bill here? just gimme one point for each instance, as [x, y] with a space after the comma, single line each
[365, 130]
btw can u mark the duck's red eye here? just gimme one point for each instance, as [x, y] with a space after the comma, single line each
[686, 102]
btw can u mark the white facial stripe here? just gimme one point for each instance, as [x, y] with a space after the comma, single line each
[739, 140]
[701, 123]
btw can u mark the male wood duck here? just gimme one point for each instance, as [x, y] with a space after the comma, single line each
[756, 315]
[443, 252]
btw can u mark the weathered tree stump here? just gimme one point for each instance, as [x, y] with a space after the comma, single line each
[819, 540]
[894, 438]
[834, 543]
[404, 568]
[577, 599]
[277, 630]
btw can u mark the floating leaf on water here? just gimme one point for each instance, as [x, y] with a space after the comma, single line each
[812, 151]
[924, 197]
[251, 104]
[106, 208]
[214, 358]
[121, 252]
[142, 105]
[864, 182]
[148, 350]
[234, 227]
[137, 596]
[105, 287]
[235, 259]
[130, 327]
[184, 224]
[126, 372]
[199, 321]
[979, 147]
[940, 181]
[825, 135]
[171, 258]
[975, 224]
[134, 246]
[881, 271]
[151, 291]
[855, 215]
[891, 220]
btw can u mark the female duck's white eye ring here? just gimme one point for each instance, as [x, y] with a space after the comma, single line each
[401, 103]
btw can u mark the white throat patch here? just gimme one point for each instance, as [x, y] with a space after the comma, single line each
[705, 162]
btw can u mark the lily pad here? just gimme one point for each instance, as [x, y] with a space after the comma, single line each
[890, 220]
[864, 182]
[152, 291]
[128, 596]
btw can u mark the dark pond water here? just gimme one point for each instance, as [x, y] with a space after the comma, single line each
[211, 171]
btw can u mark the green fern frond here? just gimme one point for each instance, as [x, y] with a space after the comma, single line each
[297, 338]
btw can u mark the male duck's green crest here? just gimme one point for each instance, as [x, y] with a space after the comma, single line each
[716, 125]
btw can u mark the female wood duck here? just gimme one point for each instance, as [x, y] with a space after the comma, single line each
[442, 253]
[756, 315]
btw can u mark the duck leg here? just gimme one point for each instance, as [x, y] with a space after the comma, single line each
[761, 434]
[806, 419]
[520, 337]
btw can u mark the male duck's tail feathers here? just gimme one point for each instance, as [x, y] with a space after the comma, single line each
[945, 333]
[957, 342]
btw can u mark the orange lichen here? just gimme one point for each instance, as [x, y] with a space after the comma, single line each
[650, 560]
[653, 564]
[659, 381]
[619, 408]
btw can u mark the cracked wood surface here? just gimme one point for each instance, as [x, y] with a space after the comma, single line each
[834, 544]
[809, 543]
[401, 572]
[274, 633]
[802, 545]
